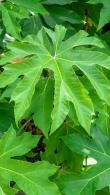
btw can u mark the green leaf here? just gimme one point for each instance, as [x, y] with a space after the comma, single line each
[98, 80]
[21, 89]
[55, 84]
[104, 14]
[7, 111]
[58, 153]
[10, 21]
[23, 95]
[12, 145]
[91, 180]
[29, 177]
[8, 91]
[34, 5]
[42, 104]
[60, 58]
[61, 15]
[61, 2]
[79, 97]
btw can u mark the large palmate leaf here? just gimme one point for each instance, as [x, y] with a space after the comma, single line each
[31, 178]
[59, 56]
[96, 177]
[105, 12]
[55, 91]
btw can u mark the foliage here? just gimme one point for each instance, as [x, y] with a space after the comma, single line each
[92, 179]
[21, 171]
[54, 97]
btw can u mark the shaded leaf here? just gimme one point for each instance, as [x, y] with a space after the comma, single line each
[104, 14]
[96, 177]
